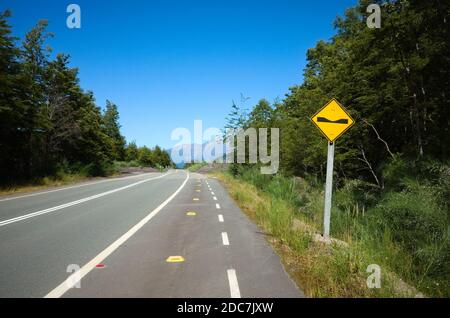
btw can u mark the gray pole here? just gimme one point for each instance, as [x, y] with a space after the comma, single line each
[328, 190]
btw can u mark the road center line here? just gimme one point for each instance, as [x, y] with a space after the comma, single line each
[220, 218]
[234, 286]
[225, 240]
[217, 206]
[66, 205]
[215, 199]
[73, 279]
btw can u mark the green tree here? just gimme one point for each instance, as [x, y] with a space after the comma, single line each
[131, 152]
[146, 156]
[46, 119]
[161, 157]
[12, 107]
[95, 146]
[63, 96]
[261, 115]
[112, 129]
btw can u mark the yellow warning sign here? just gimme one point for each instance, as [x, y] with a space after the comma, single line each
[332, 120]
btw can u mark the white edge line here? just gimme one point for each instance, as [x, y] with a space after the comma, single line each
[220, 218]
[69, 204]
[72, 187]
[225, 240]
[62, 288]
[234, 286]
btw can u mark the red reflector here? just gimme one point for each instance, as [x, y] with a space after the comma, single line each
[100, 266]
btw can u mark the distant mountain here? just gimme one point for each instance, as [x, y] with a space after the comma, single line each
[195, 153]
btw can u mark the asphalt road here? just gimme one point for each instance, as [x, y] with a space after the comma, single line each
[152, 235]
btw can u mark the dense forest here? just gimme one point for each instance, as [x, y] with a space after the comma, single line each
[48, 124]
[392, 171]
[393, 80]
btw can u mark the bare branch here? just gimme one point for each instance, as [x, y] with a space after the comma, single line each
[364, 159]
[379, 138]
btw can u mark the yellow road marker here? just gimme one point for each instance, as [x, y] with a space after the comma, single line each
[175, 259]
[195, 199]
[191, 213]
[198, 190]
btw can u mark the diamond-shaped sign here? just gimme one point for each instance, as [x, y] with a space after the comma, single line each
[332, 120]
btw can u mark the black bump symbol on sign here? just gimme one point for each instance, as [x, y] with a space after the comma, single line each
[326, 120]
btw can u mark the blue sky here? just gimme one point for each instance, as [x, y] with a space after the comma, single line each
[167, 63]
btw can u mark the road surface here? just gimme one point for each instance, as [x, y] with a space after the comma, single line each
[169, 234]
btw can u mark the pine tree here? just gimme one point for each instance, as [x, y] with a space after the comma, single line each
[12, 108]
[112, 129]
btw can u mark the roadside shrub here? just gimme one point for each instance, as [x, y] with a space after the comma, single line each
[101, 169]
[235, 169]
[285, 189]
[395, 171]
[356, 196]
[413, 217]
[125, 164]
[254, 176]
[61, 170]
[438, 175]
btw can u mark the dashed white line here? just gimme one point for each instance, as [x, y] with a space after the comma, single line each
[62, 288]
[215, 199]
[234, 286]
[217, 206]
[220, 218]
[225, 240]
[213, 193]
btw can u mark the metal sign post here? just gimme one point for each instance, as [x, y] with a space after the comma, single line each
[328, 190]
[333, 121]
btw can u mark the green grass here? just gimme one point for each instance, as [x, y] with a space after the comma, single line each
[404, 231]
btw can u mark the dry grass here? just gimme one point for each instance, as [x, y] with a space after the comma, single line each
[43, 184]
